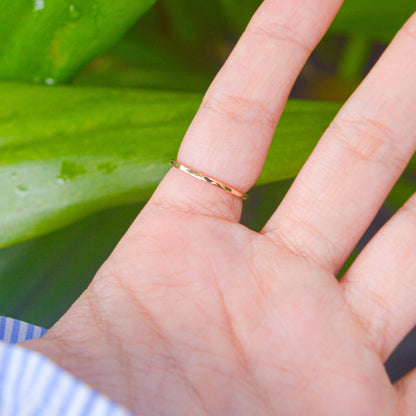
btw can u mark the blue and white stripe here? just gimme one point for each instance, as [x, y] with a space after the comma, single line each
[32, 385]
[13, 331]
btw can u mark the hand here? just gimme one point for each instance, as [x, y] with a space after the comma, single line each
[194, 314]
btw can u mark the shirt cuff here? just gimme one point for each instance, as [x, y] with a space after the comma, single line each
[31, 384]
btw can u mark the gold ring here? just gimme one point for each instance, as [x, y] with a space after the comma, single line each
[202, 177]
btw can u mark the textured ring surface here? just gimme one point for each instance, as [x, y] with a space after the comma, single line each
[212, 181]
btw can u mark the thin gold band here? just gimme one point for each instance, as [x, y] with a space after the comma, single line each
[202, 177]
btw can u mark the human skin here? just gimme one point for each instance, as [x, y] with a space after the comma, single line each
[195, 314]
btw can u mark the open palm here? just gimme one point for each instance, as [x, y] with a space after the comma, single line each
[194, 314]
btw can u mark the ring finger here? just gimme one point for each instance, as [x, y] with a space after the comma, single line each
[229, 138]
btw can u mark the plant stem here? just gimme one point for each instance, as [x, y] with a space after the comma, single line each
[354, 58]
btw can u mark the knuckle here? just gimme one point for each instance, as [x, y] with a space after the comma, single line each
[279, 32]
[369, 140]
[241, 109]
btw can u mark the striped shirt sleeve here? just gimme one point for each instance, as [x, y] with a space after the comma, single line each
[32, 385]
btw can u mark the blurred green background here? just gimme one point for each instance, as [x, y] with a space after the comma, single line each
[77, 162]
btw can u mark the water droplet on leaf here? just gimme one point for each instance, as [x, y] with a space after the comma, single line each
[107, 167]
[74, 13]
[38, 5]
[21, 190]
[70, 170]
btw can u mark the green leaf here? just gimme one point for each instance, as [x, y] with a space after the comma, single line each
[194, 21]
[239, 12]
[50, 40]
[401, 192]
[110, 72]
[404, 188]
[67, 152]
[375, 20]
[412, 165]
[262, 203]
[144, 61]
[41, 278]
[166, 49]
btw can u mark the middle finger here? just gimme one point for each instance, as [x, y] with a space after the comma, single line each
[355, 164]
[229, 137]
